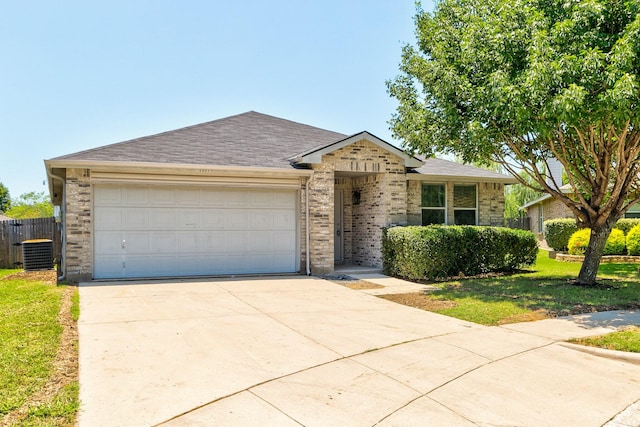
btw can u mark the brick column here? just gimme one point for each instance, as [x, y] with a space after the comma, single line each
[78, 227]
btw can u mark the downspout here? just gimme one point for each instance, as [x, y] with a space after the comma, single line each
[63, 232]
[307, 231]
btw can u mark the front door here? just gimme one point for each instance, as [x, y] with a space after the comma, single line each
[338, 224]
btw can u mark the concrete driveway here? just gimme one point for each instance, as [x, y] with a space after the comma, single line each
[291, 351]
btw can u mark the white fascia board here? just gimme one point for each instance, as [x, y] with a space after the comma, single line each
[176, 168]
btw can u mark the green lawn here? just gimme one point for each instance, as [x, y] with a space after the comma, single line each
[543, 291]
[30, 335]
[627, 339]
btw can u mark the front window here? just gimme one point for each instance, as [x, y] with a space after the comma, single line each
[433, 204]
[465, 204]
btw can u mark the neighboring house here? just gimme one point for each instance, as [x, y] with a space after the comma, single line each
[5, 218]
[544, 208]
[547, 207]
[252, 193]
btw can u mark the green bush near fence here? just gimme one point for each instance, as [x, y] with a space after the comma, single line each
[438, 251]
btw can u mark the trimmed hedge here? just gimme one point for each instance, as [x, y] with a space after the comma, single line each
[558, 231]
[626, 224]
[579, 241]
[440, 251]
[615, 244]
[633, 241]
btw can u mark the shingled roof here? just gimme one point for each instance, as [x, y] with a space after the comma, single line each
[248, 139]
[434, 168]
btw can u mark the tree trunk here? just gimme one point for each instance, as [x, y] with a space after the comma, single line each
[593, 255]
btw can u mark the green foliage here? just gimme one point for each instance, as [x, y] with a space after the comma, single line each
[579, 241]
[442, 251]
[482, 70]
[633, 241]
[521, 82]
[543, 291]
[5, 199]
[558, 231]
[626, 224]
[31, 205]
[616, 244]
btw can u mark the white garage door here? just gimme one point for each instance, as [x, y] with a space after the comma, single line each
[160, 231]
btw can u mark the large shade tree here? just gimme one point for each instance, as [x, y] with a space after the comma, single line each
[522, 81]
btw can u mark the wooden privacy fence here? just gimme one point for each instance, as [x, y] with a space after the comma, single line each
[16, 231]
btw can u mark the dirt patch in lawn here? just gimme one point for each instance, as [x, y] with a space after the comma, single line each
[46, 276]
[419, 300]
[357, 285]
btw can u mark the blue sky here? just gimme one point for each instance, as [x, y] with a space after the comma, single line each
[76, 75]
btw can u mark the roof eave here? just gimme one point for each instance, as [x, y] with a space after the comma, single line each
[460, 178]
[197, 168]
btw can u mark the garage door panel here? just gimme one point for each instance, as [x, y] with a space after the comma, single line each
[109, 242]
[110, 266]
[283, 219]
[237, 219]
[108, 218]
[284, 241]
[135, 218]
[163, 219]
[135, 196]
[189, 219]
[161, 196]
[108, 195]
[214, 219]
[137, 242]
[178, 231]
[162, 243]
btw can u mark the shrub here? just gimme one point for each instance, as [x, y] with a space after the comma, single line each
[626, 224]
[579, 241]
[633, 241]
[558, 231]
[616, 244]
[438, 251]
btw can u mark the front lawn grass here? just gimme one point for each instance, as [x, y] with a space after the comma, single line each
[627, 339]
[543, 291]
[30, 333]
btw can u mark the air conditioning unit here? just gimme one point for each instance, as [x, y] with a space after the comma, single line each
[37, 254]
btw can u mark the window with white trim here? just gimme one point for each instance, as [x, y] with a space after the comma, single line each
[434, 209]
[465, 204]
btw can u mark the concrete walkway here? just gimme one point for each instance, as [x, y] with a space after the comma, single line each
[306, 351]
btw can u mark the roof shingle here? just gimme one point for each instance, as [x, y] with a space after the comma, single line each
[248, 139]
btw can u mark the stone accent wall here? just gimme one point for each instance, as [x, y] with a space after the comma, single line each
[491, 203]
[78, 227]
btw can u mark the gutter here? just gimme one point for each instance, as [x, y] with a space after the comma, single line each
[307, 231]
[63, 232]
